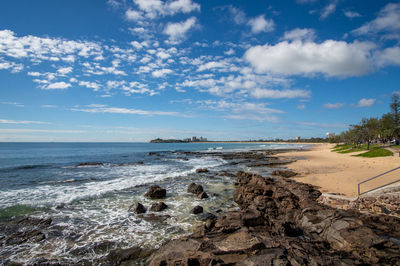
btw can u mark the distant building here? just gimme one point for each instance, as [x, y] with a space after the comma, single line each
[298, 138]
[330, 135]
[197, 139]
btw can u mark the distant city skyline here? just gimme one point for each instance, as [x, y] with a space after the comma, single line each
[136, 70]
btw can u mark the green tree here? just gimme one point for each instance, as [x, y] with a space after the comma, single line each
[395, 112]
[369, 129]
[353, 135]
[387, 127]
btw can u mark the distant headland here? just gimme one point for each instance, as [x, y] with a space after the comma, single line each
[193, 139]
[201, 139]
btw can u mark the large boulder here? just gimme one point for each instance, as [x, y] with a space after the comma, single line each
[159, 206]
[195, 188]
[138, 208]
[202, 195]
[197, 210]
[156, 192]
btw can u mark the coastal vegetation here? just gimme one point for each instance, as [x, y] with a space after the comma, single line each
[371, 133]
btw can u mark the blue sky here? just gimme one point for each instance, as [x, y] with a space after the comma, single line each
[134, 70]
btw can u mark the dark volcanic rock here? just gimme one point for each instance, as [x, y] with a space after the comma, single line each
[225, 173]
[138, 208]
[202, 170]
[23, 230]
[229, 222]
[252, 217]
[202, 195]
[197, 210]
[195, 188]
[159, 206]
[25, 236]
[208, 216]
[280, 222]
[284, 173]
[156, 192]
[124, 256]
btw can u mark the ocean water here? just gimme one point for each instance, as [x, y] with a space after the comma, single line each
[87, 189]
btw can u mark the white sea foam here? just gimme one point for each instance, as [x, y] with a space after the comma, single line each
[108, 219]
[67, 191]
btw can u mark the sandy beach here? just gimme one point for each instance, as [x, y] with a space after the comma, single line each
[339, 173]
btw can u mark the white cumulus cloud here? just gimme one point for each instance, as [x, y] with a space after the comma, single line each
[365, 102]
[64, 70]
[331, 58]
[49, 49]
[133, 15]
[177, 31]
[388, 19]
[91, 85]
[154, 8]
[388, 56]
[161, 72]
[299, 34]
[211, 65]
[260, 24]
[14, 67]
[57, 86]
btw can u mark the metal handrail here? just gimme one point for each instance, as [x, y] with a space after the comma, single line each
[369, 179]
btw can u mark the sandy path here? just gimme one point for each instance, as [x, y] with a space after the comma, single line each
[340, 173]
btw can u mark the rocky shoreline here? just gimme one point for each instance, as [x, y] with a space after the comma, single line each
[280, 222]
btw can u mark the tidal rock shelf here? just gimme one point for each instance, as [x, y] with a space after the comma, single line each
[280, 222]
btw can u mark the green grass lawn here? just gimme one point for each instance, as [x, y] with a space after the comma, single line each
[376, 152]
[348, 148]
[341, 147]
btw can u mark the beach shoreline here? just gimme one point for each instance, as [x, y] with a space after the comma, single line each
[337, 173]
[246, 216]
